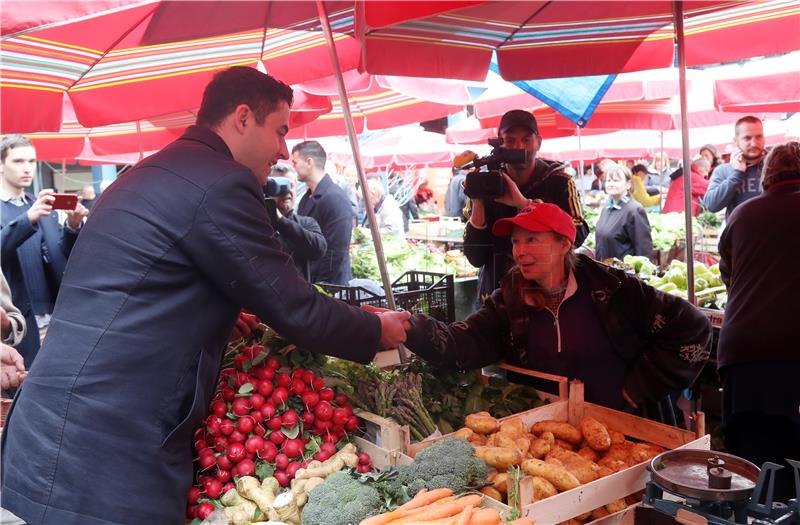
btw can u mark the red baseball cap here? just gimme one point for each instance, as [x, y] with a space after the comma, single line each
[538, 217]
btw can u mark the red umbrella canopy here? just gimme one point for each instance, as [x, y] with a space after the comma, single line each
[546, 39]
[766, 85]
[152, 58]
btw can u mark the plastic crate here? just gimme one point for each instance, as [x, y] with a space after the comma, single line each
[414, 291]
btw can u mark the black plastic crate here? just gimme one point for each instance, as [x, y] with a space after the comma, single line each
[418, 292]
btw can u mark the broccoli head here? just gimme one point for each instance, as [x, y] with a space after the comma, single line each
[449, 463]
[341, 500]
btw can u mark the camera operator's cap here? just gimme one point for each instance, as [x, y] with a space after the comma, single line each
[538, 217]
[518, 118]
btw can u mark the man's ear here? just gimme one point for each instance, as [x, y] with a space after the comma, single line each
[241, 117]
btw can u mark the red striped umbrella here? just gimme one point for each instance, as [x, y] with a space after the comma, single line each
[771, 85]
[154, 58]
[545, 39]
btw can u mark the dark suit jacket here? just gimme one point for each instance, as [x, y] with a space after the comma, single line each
[101, 431]
[34, 257]
[330, 207]
[302, 238]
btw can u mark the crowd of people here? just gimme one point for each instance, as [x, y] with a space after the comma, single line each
[140, 298]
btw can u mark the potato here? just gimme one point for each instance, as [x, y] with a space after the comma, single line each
[584, 470]
[523, 443]
[616, 506]
[502, 440]
[642, 452]
[540, 447]
[500, 482]
[558, 476]
[560, 430]
[589, 453]
[514, 427]
[463, 433]
[549, 437]
[492, 493]
[477, 439]
[542, 488]
[583, 517]
[482, 423]
[498, 457]
[614, 465]
[619, 451]
[617, 438]
[604, 471]
[599, 512]
[595, 433]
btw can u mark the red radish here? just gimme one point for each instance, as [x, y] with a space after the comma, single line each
[273, 363]
[268, 410]
[224, 463]
[257, 401]
[257, 416]
[339, 417]
[330, 448]
[268, 452]
[279, 395]
[237, 437]
[226, 373]
[219, 408]
[226, 427]
[322, 456]
[259, 430]
[282, 477]
[200, 444]
[277, 437]
[352, 424]
[239, 361]
[308, 419]
[228, 486]
[240, 406]
[308, 377]
[310, 399]
[246, 467]
[223, 475]
[362, 469]
[213, 488]
[246, 424]
[254, 443]
[204, 510]
[202, 480]
[293, 448]
[348, 409]
[275, 423]
[341, 399]
[323, 411]
[364, 459]
[213, 425]
[339, 432]
[289, 418]
[265, 373]
[191, 512]
[326, 394]
[194, 495]
[281, 461]
[292, 469]
[228, 394]
[236, 452]
[284, 380]
[242, 378]
[329, 437]
[220, 444]
[208, 460]
[265, 387]
[318, 383]
[298, 387]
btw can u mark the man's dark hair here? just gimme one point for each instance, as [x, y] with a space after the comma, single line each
[638, 167]
[749, 119]
[313, 150]
[280, 170]
[10, 142]
[241, 85]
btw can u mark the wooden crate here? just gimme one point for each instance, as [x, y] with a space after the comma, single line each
[556, 403]
[383, 432]
[708, 241]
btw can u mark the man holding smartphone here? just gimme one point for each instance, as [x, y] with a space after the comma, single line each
[740, 179]
[34, 246]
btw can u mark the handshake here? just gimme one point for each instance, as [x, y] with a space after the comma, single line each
[394, 326]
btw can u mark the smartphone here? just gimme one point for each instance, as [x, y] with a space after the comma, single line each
[64, 201]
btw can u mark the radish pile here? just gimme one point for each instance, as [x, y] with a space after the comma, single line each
[267, 418]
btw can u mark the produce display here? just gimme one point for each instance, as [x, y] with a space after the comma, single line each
[708, 286]
[666, 229]
[274, 433]
[401, 256]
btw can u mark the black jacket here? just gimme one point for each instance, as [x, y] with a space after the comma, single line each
[302, 238]
[663, 339]
[331, 208]
[493, 254]
[101, 430]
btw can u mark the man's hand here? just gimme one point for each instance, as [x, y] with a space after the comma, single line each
[738, 162]
[75, 217]
[12, 367]
[43, 206]
[394, 326]
[512, 197]
[5, 323]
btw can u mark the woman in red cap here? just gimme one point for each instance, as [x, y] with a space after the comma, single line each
[567, 314]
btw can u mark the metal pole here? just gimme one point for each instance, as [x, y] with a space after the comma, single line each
[351, 133]
[661, 195]
[580, 162]
[139, 136]
[687, 166]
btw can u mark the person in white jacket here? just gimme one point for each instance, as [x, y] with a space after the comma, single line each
[387, 211]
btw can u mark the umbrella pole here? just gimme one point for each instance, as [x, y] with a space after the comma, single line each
[139, 136]
[687, 166]
[351, 133]
[661, 176]
[580, 162]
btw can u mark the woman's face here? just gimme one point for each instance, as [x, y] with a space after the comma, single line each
[617, 185]
[708, 156]
[537, 254]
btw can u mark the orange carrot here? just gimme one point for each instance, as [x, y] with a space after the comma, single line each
[438, 510]
[522, 521]
[466, 514]
[423, 498]
[485, 517]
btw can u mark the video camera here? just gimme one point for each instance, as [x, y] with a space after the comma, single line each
[277, 187]
[488, 183]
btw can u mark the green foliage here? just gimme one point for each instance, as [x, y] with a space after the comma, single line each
[401, 257]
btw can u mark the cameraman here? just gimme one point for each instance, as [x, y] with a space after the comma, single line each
[300, 235]
[535, 179]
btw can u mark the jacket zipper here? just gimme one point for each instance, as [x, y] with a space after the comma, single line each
[557, 325]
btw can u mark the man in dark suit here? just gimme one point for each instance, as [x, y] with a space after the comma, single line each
[328, 204]
[101, 430]
[34, 246]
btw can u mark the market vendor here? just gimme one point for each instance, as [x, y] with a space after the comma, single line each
[566, 314]
[623, 228]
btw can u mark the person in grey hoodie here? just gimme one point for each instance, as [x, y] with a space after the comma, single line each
[740, 179]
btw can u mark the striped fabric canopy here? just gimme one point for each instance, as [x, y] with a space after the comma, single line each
[554, 39]
[151, 58]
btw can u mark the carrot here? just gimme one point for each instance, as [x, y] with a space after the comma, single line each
[466, 514]
[438, 510]
[423, 498]
[485, 517]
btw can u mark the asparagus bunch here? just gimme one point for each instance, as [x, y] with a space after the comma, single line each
[409, 407]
